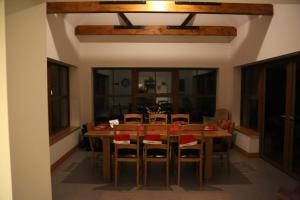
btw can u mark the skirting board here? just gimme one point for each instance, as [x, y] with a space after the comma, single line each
[63, 158]
[242, 151]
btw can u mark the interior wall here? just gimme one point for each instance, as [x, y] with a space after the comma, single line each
[5, 166]
[62, 45]
[262, 38]
[27, 99]
[151, 55]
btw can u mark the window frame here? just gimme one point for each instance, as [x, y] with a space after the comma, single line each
[258, 97]
[58, 98]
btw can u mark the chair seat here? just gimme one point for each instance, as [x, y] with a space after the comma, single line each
[156, 153]
[127, 153]
[188, 153]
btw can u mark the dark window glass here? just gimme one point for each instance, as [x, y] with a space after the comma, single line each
[58, 97]
[251, 80]
[249, 104]
[112, 93]
[120, 91]
[250, 114]
[197, 89]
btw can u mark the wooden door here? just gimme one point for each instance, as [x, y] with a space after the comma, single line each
[273, 141]
[281, 132]
[294, 121]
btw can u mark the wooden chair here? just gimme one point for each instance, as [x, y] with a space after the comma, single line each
[220, 115]
[94, 142]
[192, 152]
[133, 118]
[156, 152]
[127, 152]
[178, 118]
[221, 147]
[159, 118]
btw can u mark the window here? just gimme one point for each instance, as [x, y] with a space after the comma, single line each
[58, 97]
[112, 93]
[249, 104]
[127, 90]
[197, 92]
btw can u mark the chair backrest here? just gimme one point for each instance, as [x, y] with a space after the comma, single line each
[185, 118]
[231, 128]
[162, 118]
[133, 118]
[161, 129]
[220, 115]
[194, 129]
[131, 129]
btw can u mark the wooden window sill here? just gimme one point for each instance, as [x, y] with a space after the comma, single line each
[55, 137]
[246, 131]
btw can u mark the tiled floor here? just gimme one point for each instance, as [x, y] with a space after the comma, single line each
[79, 178]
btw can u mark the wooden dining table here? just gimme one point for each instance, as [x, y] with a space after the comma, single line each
[106, 137]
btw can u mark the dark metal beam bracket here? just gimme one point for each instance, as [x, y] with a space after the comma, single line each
[128, 27]
[122, 2]
[184, 27]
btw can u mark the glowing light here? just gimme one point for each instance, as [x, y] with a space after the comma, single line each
[158, 5]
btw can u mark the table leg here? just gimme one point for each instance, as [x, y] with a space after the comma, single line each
[208, 157]
[106, 157]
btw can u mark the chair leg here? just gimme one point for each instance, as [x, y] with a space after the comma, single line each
[228, 163]
[200, 172]
[167, 173]
[137, 173]
[145, 173]
[178, 172]
[116, 173]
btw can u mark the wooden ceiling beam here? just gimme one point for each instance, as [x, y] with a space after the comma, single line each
[188, 19]
[156, 30]
[159, 7]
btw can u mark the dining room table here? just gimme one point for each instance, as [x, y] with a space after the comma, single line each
[106, 136]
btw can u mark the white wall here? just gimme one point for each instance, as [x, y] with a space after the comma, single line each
[27, 99]
[62, 147]
[250, 144]
[5, 166]
[62, 45]
[261, 38]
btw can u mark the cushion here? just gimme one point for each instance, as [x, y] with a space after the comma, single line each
[152, 139]
[187, 140]
[122, 139]
[174, 128]
[226, 124]
[141, 128]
